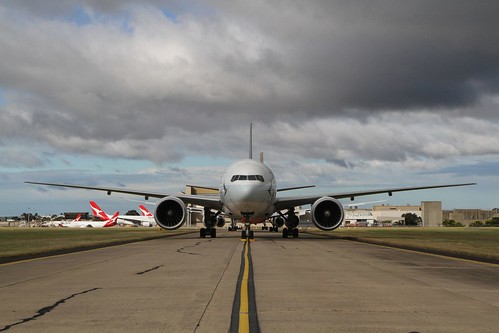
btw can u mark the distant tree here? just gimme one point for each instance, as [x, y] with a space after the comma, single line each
[494, 222]
[452, 223]
[132, 212]
[477, 224]
[411, 219]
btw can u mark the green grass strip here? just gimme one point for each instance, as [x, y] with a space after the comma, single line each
[33, 242]
[471, 243]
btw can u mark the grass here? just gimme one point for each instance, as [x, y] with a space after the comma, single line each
[29, 242]
[473, 243]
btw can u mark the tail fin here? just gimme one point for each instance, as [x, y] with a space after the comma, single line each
[112, 220]
[144, 211]
[97, 211]
[77, 218]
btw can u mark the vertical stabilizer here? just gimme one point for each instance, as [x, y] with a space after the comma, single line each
[261, 157]
[251, 142]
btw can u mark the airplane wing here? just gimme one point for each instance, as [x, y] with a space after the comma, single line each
[290, 202]
[211, 201]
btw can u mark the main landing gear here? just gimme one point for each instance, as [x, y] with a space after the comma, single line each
[212, 232]
[286, 232]
[210, 221]
[292, 222]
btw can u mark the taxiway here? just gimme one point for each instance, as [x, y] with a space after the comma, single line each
[310, 284]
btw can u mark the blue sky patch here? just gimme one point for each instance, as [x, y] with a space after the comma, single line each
[80, 17]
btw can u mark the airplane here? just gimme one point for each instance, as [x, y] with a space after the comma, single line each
[146, 220]
[93, 224]
[61, 223]
[248, 191]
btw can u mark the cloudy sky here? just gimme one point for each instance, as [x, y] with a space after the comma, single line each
[158, 94]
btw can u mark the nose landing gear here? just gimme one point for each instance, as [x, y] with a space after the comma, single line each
[247, 233]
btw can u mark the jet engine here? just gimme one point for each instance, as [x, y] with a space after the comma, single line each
[170, 213]
[220, 221]
[279, 222]
[327, 213]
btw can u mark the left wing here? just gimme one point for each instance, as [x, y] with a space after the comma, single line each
[290, 202]
[211, 201]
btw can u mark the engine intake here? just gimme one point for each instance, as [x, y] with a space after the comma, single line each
[170, 213]
[220, 221]
[327, 213]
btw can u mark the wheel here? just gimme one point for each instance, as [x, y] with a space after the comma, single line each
[251, 234]
[271, 229]
[202, 232]
[276, 229]
[213, 233]
[243, 234]
[285, 233]
[295, 233]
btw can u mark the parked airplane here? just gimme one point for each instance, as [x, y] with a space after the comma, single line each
[248, 191]
[94, 224]
[61, 223]
[145, 220]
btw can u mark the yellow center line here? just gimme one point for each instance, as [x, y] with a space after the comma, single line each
[243, 305]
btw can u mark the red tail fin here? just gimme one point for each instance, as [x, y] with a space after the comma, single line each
[144, 211]
[112, 220]
[97, 211]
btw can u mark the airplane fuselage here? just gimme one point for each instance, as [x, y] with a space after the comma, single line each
[248, 189]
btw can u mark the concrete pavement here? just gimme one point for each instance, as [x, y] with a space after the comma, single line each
[187, 284]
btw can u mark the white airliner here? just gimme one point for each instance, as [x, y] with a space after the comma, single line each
[146, 220]
[62, 223]
[111, 221]
[248, 192]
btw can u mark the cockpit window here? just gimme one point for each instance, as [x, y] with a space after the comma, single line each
[247, 177]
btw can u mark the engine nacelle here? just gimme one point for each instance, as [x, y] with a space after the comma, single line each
[220, 221]
[327, 213]
[279, 222]
[170, 213]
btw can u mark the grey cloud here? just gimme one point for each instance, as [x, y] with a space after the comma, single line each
[166, 89]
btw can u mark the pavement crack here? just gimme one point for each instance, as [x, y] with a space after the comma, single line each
[216, 288]
[43, 311]
[150, 269]
[184, 251]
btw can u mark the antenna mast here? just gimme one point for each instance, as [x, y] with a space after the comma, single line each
[251, 142]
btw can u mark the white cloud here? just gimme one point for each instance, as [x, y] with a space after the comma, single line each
[344, 93]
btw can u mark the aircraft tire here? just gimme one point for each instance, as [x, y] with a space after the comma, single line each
[243, 234]
[295, 233]
[251, 234]
[285, 233]
[202, 233]
[213, 233]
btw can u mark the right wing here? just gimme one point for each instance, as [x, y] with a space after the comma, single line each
[290, 202]
[212, 201]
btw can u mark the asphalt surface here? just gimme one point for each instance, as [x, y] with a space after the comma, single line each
[310, 284]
